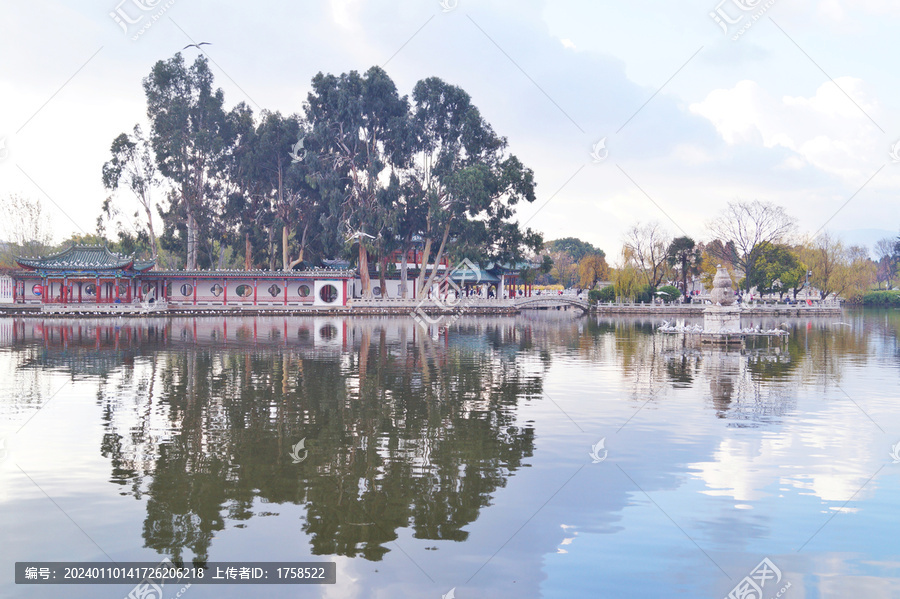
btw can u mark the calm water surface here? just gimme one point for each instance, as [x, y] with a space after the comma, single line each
[468, 461]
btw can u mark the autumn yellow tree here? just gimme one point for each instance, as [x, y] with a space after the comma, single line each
[592, 269]
[836, 269]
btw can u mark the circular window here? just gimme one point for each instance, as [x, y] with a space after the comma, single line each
[328, 294]
[376, 291]
[274, 290]
[146, 288]
[90, 289]
[37, 290]
[329, 331]
[187, 289]
[123, 288]
[244, 290]
[303, 291]
[216, 290]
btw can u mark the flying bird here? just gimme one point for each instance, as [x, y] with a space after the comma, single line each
[197, 45]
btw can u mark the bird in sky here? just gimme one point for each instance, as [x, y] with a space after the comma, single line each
[197, 45]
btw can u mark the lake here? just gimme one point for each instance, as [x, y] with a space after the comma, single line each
[540, 455]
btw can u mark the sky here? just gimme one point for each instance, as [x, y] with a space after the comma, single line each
[632, 112]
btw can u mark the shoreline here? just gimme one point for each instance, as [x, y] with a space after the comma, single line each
[391, 309]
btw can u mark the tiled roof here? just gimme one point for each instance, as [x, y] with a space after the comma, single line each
[79, 257]
[321, 273]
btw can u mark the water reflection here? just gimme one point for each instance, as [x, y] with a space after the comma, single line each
[408, 435]
[401, 431]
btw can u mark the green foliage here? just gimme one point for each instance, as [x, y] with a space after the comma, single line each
[673, 293]
[645, 294]
[776, 269]
[605, 295]
[882, 299]
[685, 256]
[575, 248]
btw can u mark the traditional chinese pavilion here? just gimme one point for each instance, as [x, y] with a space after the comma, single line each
[80, 274]
[93, 274]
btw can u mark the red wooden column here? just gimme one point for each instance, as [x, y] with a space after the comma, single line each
[195, 294]
[225, 297]
[345, 303]
[128, 292]
[255, 281]
[285, 294]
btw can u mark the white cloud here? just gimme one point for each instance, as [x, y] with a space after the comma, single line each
[827, 130]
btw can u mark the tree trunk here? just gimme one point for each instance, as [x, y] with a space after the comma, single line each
[191, 241]
[285, 254]
[437, 258]
[383, 267]
[364, 272]
[247, 250]
[299, 259]
[153, 245]
[404, 276]
[420, 280]
[272, 247]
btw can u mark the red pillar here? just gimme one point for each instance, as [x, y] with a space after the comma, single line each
[255, 281]
[195, 291]
[225, 294]
[344, 304]
[285, 295]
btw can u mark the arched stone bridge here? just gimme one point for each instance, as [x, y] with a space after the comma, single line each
[551, 301]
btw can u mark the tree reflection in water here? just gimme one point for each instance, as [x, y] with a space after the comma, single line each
[402, 431]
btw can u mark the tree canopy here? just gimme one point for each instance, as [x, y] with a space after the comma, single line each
[361, 170]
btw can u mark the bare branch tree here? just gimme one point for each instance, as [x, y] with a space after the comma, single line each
[749, 226]
[25, 226]
[648, 246]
